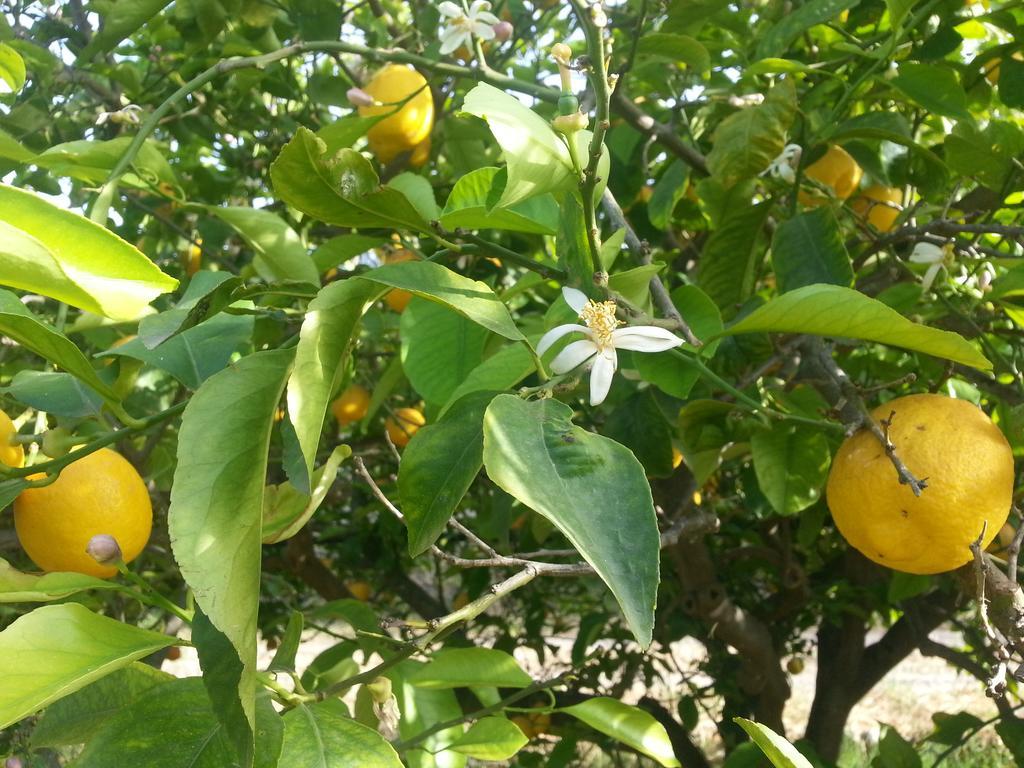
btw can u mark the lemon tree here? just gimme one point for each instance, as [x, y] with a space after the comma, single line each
[414, 384]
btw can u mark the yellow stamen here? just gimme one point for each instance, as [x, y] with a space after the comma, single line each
[600, 318]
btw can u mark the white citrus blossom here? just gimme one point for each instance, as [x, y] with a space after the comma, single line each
[603, 338]
[933, 255]
[462, 25]
[784, 166]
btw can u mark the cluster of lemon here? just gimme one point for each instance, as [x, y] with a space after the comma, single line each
[879, 205]
[353, 404]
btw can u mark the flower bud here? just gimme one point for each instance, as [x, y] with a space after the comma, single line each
[57, 443]
[503, 31]
[570, 123]
[379, 689]
[104, 549]
[359, 98]
[13, 762]
[561, 53]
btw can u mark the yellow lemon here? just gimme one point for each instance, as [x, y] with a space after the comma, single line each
[397, 298]
[403, 425]
[351, 405]
[98, 494]
[969, 469]
[835, 169]
[420, 154]
[194, 259]
[879, 205]
[992, 68]
[411, 124]
[360, 590]
[11, 455]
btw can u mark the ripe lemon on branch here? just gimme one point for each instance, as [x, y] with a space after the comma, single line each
[351, 405]
[406, 128]
[835, 169]
[100, 494]
[11, 454]
[968, 466]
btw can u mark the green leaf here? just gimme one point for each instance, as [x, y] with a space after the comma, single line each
[639, 425]
[92, 161]
[808, 249]
[630, 725]
[438, 467]
[590, 487]
[76, 718]
[43, 339]
[417, 191]
[119, 21]
[989, 155]
[468, 206]
[10, 490]
[895, 752]
[59, 394]
[57, 649]
[328, 331]
[464, 667]
[571, 243]
[501, 371]
[669, 190]
[422, 708]
[537, 159]
[316, 735]
[635, 284]
[791, 463]
[280, 254]
[1011, 731]
[728, 264]
[898, 10]
[172, 726]
[284, 656]
[12, 68]
[780, 37]
[1011, 83]
[780, 752]
[679, 48]
[342, 248]
[216, 506]
[950, 729]
[196, 354]
[830, 310]
[286, 509]
[18, 587]
[343, 133]
[439, 348]
[747, 141]
[207, 294]
[12, 149]
[47, 250]
[935, 87]
[342, 189]
[469, 298]
[492, 738]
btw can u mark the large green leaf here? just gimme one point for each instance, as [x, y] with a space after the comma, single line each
[280, 254]
[12, 69]
[781, 753]
[173, 726]
[12, 149]
[791, 463]
[471, 206]
[789, 28]
[57, 649]
[748, 140]
[668, 190]
[216, 506]
[630, 725]
[677, 48]
[207, 294]
[728, 264]
[492, 738]
[935, 87]
[465, 667]
[76, 718]
[286, 509]
[342, 189]
[830, 310]
[439, 466]
[505, 368]
[56, 393]
[439, 348]
[537, 158]
[808, 249]
[119, 21]
[92, 161]
[469, 298]
[19, 587]
[318, 735]
[590, 487]
[422, 708]
[328, 331]
[57, 253]
[22, 326]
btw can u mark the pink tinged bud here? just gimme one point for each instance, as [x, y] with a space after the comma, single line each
[104, 549]
[503, 31]
[13, 762]
[359, 97]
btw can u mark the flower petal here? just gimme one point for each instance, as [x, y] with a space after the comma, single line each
[478, 7]
[486, 18]
[645, 338]
[573, 355]
[450, 9]
[556, 333]
[601, 376]
[929, 276]
[926, 253]
[483, 31]
[575, 299]
[454, 38]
